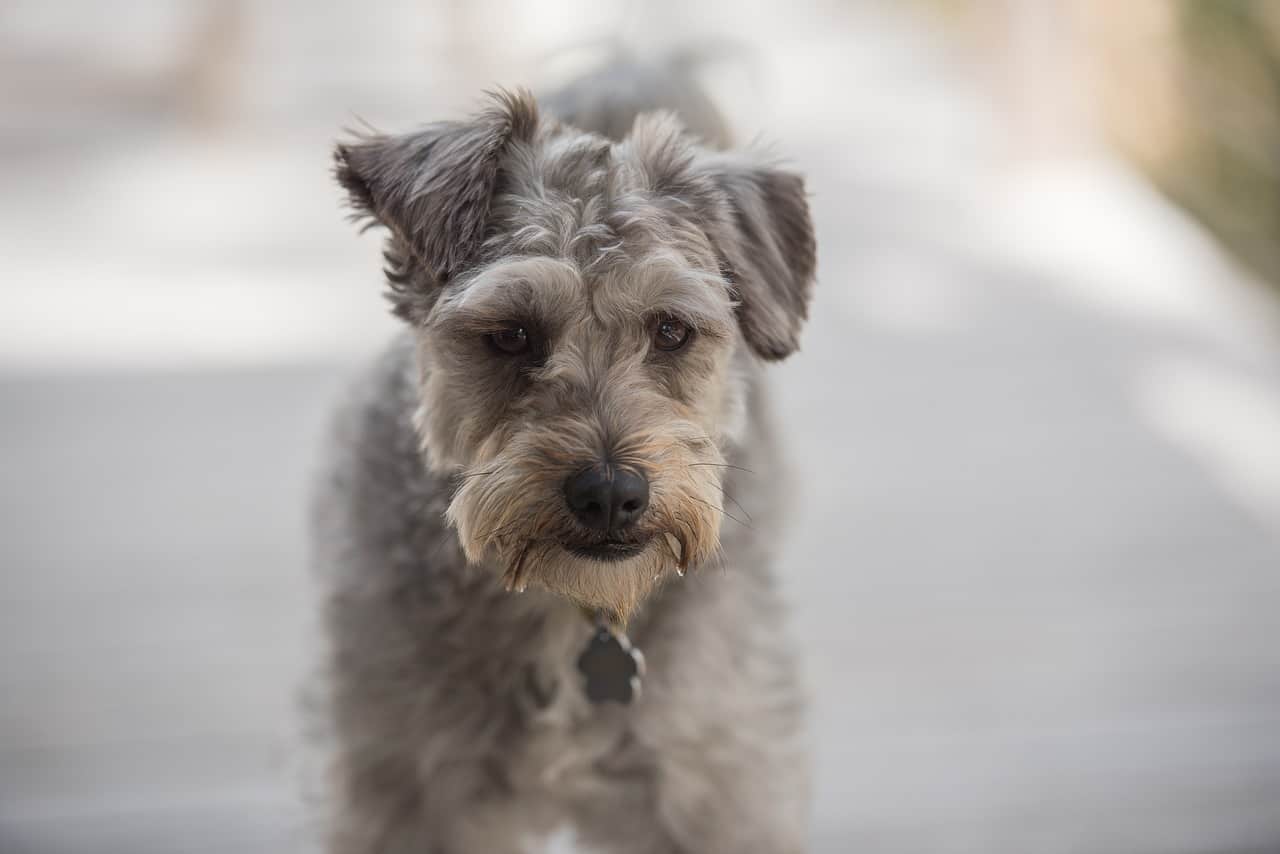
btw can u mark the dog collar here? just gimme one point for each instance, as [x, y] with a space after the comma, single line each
[611, 667]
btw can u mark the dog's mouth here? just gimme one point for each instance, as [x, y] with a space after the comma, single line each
[606, 551]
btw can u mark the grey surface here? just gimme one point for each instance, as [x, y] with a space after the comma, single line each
[154, 608]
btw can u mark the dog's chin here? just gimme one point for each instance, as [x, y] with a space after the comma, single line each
[607, 575]
[606, 551]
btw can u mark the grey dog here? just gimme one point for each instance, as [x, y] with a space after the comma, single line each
[573, 419]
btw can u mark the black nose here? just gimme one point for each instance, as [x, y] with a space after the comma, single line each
[606, 498]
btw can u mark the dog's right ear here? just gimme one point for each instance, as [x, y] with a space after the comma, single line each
[432, 189]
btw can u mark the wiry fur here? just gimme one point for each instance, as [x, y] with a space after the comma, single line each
[460, 724]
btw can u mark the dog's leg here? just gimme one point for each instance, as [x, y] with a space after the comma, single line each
[384, 818]
[747, 803]
[724, 720]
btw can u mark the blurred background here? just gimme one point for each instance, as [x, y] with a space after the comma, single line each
[1035, 562]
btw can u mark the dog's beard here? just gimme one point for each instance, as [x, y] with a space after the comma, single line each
[509, 512]
[616, 587]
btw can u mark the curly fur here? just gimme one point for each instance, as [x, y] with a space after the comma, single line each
[459, 722]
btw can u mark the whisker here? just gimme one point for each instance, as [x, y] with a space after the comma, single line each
[462, 477]
[720, 466]
[735, 501]
[501, 531]
[722, 510]
[450, 538]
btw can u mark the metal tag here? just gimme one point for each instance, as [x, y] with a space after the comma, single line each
[611, 666]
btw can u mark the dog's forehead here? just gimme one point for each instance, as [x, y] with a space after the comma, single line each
[582, 196]
[576, 228]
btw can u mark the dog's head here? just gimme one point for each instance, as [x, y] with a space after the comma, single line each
[581, 307]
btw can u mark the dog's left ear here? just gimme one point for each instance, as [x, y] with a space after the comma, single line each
[433, 188]
[768, 244]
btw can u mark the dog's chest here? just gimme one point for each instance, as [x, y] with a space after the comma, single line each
[558, 772]
[571, 762]
[565, 742]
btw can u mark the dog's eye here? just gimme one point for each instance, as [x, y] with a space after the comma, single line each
[513, 340]
[671, 334]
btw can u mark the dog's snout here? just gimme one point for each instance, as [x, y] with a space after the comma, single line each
[606, 498]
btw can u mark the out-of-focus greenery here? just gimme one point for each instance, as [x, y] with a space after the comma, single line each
[1188, 90]
[1226, 171]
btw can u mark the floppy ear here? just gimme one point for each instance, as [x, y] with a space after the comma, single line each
[757, 218]
[768, 245]
[432, 189]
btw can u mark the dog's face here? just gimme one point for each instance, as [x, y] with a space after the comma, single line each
[581, 308]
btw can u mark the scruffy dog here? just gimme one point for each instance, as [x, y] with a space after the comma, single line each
[574, 411]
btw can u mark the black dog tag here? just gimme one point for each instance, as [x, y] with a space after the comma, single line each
[612, 667]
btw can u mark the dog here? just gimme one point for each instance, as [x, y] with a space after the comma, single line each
[550, 620]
